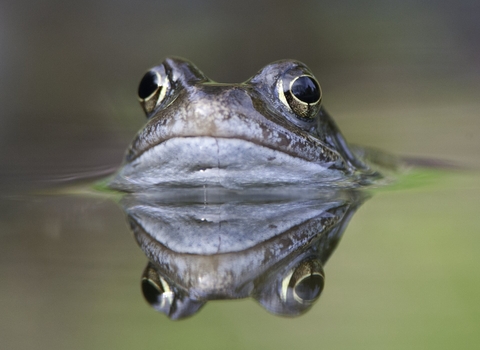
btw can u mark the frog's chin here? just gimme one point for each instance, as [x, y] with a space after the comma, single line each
[227, 162]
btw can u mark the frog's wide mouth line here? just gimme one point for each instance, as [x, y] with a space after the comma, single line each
[294, 152]
[265, 134]
[223, 272]
[226, 230]
[204, 160]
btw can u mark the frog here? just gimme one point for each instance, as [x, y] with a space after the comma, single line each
[240, 244]
[270, 130]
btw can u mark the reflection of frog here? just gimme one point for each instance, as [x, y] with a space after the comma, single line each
[267, 246]
[270, 129]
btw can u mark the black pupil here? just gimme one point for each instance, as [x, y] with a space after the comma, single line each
[306, 89]
[151, 292]
[310, 287]
[148, 85]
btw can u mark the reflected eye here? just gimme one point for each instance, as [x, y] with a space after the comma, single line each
[309, 287]
[165, 297]
[152, 291]
[156, 290]
[153, 88]
[302, 94]
[305, 283]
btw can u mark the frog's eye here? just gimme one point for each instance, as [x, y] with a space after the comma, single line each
[305, 283]
[302, 94]
[153, 88]
[165, 297]
[156, 290]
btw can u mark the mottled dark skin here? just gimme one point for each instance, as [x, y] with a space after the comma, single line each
[193, 106]
[304, 232]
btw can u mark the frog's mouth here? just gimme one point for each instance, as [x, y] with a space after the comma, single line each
[223, 255]
[255, 129]
[206, 144]
[229, 162]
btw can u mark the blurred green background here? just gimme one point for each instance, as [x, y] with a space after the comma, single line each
[403, 76]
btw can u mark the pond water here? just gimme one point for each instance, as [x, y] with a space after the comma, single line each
[403, 77]
[405, 273]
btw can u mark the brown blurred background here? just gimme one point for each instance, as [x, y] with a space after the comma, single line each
[399, 75]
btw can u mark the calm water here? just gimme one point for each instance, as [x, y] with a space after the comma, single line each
[400, 77]
[405, 273]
